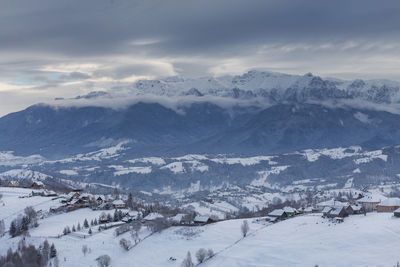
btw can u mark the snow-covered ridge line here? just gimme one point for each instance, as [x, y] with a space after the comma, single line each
[254, 88]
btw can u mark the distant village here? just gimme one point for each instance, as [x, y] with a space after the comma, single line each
[129, 210]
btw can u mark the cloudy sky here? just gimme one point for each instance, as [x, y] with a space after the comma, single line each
[66, 48]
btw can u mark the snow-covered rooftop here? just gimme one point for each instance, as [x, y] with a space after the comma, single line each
[289, 209]
[390, 202]
[118, 202]
[153, 216]
[202, 219]
[371, 199]
[277, 212]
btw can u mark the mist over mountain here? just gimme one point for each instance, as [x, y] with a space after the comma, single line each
[254, 114]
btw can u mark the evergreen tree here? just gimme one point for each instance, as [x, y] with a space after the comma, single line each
[73, 228]
[78, 227]
[85, 223]
[95, 221]
[24, 224]
[13, 229]
[2, 227]
[90, 231]
[53, 251]
[116, 216]
[91, 223]
[45, 251]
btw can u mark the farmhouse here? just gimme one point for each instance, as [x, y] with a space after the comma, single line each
[131, 216]
[338, 212]
[203, 219]
[326, 210]
[308, 210]
[357, 209]
[73, 195]
[369, 203]
[178, 218]
[37, 185]
[118, 204]
[85, 196]
[330, 203]
[279, 213]
[388, 205]
[100, 199]
[13, 184]
[397, 212]
[152, 216]
[290, 211]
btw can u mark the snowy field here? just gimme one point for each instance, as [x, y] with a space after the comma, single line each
[305, 240]
[12, 204]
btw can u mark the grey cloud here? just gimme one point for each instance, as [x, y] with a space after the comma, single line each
[94, 27]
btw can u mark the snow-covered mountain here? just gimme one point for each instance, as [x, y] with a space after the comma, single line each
[275, 87]
[221, 120]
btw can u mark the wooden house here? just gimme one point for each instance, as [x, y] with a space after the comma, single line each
[388, 205]
[349, 209]
[290, 211]
[118, 204]
[370, 202]
[279, 213]
[357, 209]
[396, 213]
[326, 210]
[203, 219]
[13, 184]
[37, 185]
[338, 212]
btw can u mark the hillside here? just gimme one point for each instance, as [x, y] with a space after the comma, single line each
[304, 240]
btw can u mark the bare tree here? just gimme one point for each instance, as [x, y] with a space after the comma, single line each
[2, 228]
[187, 262]
[210, 253]
[201, 255]
[245, 228]
[85, 250]
[103, 260]
[125, 244]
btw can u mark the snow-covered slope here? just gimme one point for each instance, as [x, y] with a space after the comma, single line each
[305, 240]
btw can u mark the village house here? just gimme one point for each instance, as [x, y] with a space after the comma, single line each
[37, 185]
[330, 203]
[100, 199]
[131, 216]
[13, 184]
[72, 195]
[357, 209]
[278, 213]
[326, 210]
[349, 209]
[388, 205]
[338, 212]
[203, 220]
[118, 204]
[397, 212]
[153, 216]
[290, 211]
[308, 210]
[85, 196]
[178, 218]
[369, 203]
